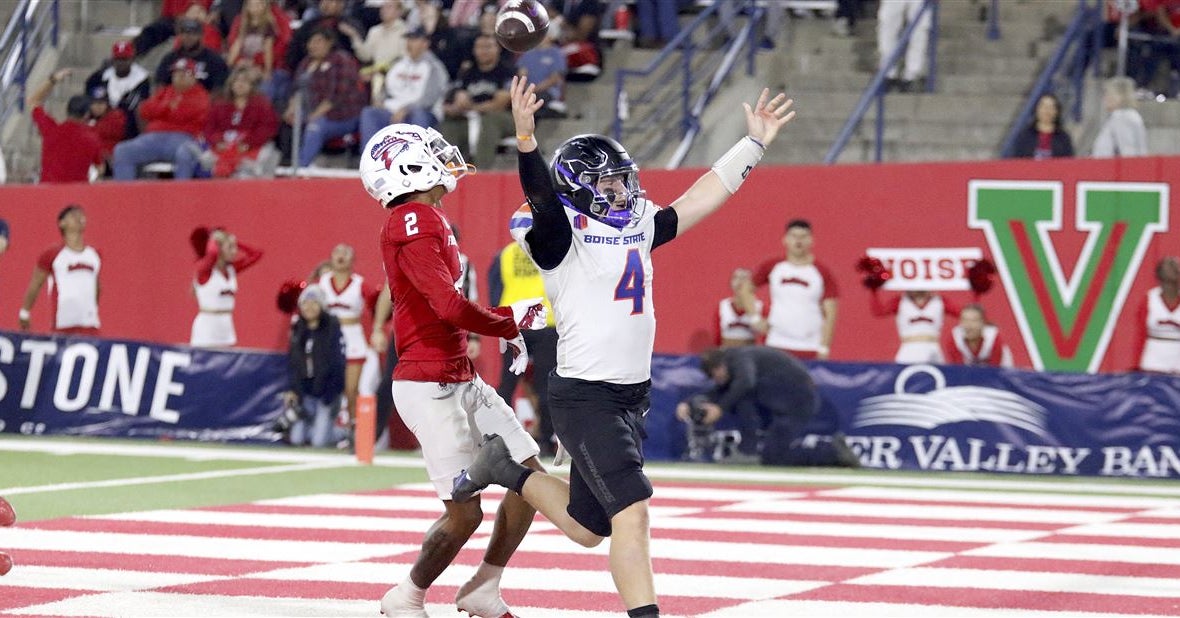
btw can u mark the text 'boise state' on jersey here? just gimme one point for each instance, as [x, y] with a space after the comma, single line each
[430, 317]
[600, 287]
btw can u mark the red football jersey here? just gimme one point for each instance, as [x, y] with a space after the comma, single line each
[430, 316]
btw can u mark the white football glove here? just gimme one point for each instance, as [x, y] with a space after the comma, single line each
[520, 354]
[530, 313]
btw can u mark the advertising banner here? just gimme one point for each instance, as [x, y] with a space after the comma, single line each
[104, 387]
[955, 418]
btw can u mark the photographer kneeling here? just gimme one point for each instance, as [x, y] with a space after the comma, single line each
[315, 364]
[773, 397]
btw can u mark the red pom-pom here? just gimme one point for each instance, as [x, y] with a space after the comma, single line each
[198, 239]
[981, 275]
[875, 272]
[288, 298]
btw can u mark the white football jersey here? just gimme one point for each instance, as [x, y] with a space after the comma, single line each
[602, 300]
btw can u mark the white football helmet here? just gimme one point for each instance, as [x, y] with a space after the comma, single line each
[405, 158]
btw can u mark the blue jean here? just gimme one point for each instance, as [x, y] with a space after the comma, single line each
[317, 133]
[373, 119]
[179, 149]
[320, 419]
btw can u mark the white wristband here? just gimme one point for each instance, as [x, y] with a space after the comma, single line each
[733, 166]
[23, 314]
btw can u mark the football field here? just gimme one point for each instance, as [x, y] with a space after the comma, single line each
[119, 528]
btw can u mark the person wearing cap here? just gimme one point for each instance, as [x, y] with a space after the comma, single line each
[175, 117]
[109, 123]
[315, 368]
[332, 97]
[414, 89]
[127, 83]
[164, 27]
[211, 69]
[215, 285]
[68, 148]
[73, 268]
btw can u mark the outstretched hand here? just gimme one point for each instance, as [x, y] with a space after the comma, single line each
[767, 117]
[524, 104]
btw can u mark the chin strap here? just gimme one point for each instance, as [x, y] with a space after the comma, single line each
[733, 166]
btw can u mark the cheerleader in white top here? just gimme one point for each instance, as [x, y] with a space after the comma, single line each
[347, 297]
[920, 317]
[1159, 321]
[740, 317]
[975, 342]
[215, 283]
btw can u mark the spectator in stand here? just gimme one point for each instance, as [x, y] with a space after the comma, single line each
[215, 284]
[315, 366]
[444, 42]
[774, 399]
[1158, 321]
[975, 342]
[109, 123]
[211, 36]
[659, 22]
[892, 17]
[1123, 133]
[480, 92]
[72, 268]
[332, 97]
[347, 297]
[128, 84]
[1161, 20]
[514, 276]
[241, 130]
[209, 68]
[581, 20]
[258, 38]
[803, 297]
[68, 148]
[3, 236]
[740, 320]
[845, 19]
[385, 42]
[414, 89]
[164, 27]
[175, 117]
[544, 65]
[331, 17]
[1045, 137]
[919, 323]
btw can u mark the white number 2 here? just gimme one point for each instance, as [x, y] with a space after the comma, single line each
[411, 223]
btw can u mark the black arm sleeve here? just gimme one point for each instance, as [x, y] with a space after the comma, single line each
[550, 238]
[495, 282]
[666, 222]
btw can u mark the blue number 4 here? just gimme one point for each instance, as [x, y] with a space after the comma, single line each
[631, 283]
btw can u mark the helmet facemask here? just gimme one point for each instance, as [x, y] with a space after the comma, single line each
[602, 205]
[448, 154]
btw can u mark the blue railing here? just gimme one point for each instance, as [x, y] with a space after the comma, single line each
[34, 24]
[876, 90]
[680, 75]
[1065, 79]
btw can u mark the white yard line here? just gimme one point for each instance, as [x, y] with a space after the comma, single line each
[168, 478]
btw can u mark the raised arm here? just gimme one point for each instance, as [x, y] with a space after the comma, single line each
[550, 237]
[710, 191]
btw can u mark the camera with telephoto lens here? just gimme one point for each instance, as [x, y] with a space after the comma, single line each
[289, 416]
[700, 433]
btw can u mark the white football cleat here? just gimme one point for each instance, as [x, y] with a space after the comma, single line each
[482, 600]
[394, 603]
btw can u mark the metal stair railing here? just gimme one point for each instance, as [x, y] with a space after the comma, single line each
[1065, 79]
[876, 89]
[681, 77]
[34, 24]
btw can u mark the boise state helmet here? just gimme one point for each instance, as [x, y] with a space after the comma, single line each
[581, 163]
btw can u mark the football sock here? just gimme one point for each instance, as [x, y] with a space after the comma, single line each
[647, 611]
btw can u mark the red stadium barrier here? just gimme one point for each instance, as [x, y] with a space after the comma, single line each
[142, 231]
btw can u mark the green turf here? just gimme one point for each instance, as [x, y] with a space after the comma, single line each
[23, 469]
[210, 492]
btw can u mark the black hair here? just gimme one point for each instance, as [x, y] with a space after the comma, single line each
[1057, 126]
[78, 106]
[712, 359]
[800, 223]
[325, 32]
[66, 211]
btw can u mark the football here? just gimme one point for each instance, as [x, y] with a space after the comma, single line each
[521, 25]
[7, 515]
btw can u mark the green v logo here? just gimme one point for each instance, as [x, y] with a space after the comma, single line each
[1067, 322]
